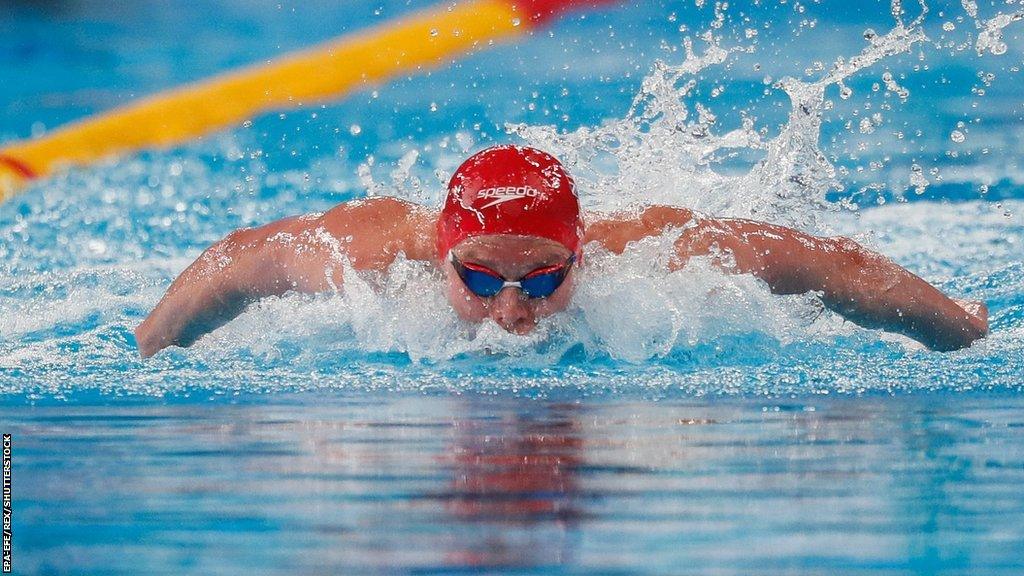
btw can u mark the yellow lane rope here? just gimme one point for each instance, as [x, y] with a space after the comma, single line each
[327, 71]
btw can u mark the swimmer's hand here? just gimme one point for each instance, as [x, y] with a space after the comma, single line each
[862, 286]
[302, 254]
[978, 311]
[244, 266]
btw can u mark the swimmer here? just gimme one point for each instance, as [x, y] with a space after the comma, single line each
[509, 240]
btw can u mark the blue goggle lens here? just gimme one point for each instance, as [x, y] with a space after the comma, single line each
[481, 283]
[543, 285]
[486, 284]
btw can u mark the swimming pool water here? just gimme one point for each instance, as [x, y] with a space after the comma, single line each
[384, 483]
[673, 424]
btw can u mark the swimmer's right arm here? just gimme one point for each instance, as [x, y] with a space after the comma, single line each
[246, 265]
[301, 254]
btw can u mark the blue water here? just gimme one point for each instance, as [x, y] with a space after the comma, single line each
[653, 429]
[365, 483]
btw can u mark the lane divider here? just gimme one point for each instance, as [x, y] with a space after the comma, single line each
[13, 175]
[424, 39]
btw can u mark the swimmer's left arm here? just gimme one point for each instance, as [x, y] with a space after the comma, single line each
[863, 286]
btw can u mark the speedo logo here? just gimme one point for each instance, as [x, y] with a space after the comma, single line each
[502, 194]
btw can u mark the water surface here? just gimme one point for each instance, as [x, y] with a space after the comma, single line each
[384, 483]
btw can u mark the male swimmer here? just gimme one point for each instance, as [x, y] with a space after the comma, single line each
[509, 240]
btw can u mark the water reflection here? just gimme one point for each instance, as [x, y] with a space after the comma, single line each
[414, 484]
[515, 478]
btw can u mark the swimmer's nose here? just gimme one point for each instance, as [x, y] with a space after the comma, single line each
[510, 311]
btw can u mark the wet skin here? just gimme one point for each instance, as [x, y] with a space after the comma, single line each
[305, 254]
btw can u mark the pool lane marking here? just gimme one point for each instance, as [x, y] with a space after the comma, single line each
[423, 39]
[13, 174]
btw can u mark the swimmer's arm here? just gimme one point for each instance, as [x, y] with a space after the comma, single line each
[301, 254]
[246, 265]
[862, 286]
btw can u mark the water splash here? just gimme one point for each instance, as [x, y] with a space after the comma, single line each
[668, 157]
[990, 34]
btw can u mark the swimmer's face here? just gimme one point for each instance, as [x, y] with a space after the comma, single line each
[513, 257]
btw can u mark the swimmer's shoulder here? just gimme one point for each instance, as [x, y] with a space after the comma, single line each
[615, 231]
[384, 225]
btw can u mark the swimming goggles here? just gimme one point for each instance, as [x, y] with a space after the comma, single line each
[485, 282]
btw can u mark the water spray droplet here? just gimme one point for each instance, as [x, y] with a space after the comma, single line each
[918, 179]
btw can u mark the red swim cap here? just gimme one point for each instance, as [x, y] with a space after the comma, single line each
[510, 190]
